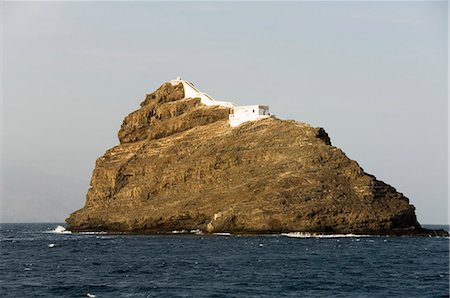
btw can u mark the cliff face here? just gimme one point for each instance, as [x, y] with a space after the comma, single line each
[180, 166]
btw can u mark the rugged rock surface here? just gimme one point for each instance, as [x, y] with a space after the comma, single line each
[180, 166]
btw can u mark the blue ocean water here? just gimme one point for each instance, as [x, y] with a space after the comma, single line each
[36, 261]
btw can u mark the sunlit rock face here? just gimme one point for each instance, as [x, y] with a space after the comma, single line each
[181, 166]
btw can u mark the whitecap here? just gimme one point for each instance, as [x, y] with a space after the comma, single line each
[313, 235]
[60, 230]
[297, 235]
[51, 245]
[91, 295]
[222, 234]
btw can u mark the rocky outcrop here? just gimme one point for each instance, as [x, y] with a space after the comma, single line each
[179, 165]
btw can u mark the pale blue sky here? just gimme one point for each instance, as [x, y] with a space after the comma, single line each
[373, 74]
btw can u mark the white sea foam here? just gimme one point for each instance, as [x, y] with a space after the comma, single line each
[179, 231]
[313, 235]
[196, 232]
[51, 245]
[93, 233]
[60, 230]
[222, 234]
[63, 230]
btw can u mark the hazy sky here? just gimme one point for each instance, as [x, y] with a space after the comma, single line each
[373, 74]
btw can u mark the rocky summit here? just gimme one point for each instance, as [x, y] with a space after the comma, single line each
[180, 166]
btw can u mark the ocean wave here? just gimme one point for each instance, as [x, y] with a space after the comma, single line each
[196, 232]
[63, 230]
[222, 234]
[313, 235]
[60, 230]
[179, 231]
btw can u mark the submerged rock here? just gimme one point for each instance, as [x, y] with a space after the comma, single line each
[180, 166]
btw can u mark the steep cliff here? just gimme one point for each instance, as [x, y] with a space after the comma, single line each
[179, 165]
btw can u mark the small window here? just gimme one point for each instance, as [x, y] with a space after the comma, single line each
[253, 110]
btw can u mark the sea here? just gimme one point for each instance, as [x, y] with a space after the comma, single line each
[45, 260]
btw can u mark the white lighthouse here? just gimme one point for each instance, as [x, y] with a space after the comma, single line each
[238, 114]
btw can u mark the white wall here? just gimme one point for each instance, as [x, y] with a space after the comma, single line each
[190, 91]
[248, 113]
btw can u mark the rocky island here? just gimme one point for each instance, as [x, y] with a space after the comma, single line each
[180, 165]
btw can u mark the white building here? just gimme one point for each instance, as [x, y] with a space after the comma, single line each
[243, 114]
[238, 115]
